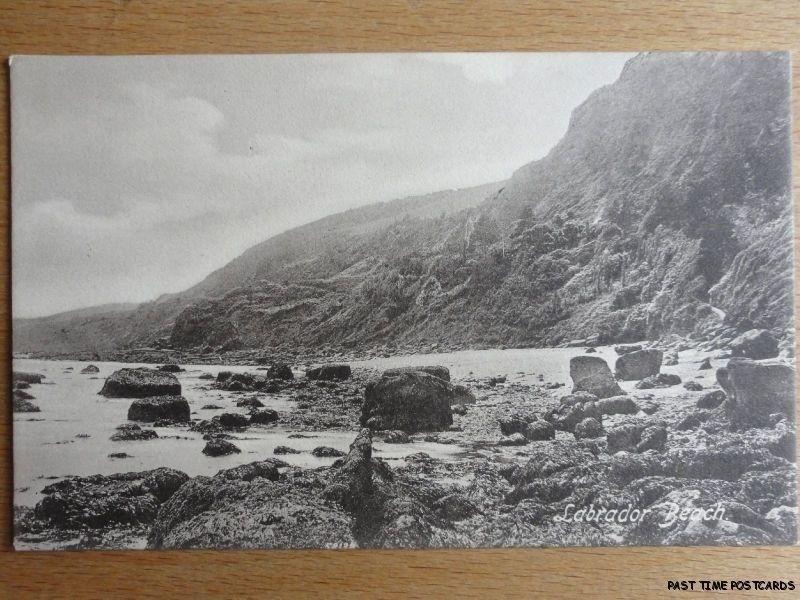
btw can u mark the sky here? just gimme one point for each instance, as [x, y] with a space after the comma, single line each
[138, 176]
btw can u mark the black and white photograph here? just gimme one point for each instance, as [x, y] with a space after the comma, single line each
[402, 300]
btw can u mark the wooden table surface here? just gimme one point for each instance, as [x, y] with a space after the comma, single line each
[134, 26]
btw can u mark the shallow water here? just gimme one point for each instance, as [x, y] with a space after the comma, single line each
[70, 436]
[46, 446]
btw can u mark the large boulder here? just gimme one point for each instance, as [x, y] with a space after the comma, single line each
[755, 344]
[435, 370]
[756, 390]
[412, 401]
[591, 374]
[636, 365]
[173, 408]
[330, 373]
[90, 370]
[98, 501]
[140, 383]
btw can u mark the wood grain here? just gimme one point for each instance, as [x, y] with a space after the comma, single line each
[138, 27]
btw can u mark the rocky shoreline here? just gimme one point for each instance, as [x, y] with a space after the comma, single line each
[528, 459]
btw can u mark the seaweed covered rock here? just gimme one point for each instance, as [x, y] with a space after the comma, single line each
[140, 383]
[412, 401]
[565, 417]
[636, 365]
[263, 417]
[26, 377]
[251, 403]
[515, 439]
[617, 405]
[701, 515]
[588, 428]
[101, 500]
[148, 410]
[90, 370]
[326, 452]
[220, 447]
[232, 420]
[591, 374]
[130, 432]
[661, 380]
[280, 371]
[637, 437]
[435, 370]
[513, 423]
[247, 508]
[538, 431]
[711, 399]
[330, 373]
[171, 368]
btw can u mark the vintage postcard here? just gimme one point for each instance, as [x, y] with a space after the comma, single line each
[402, 300]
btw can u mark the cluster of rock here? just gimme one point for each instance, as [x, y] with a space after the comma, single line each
[274, 380]
[20, 399]
[596, 444]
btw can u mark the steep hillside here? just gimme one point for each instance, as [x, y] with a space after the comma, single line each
[664, 209]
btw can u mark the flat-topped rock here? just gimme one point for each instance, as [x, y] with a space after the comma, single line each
[140, 383]
[330, 373]
[148, 410]
[435, 370]
[412, 401]
[130, 432]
